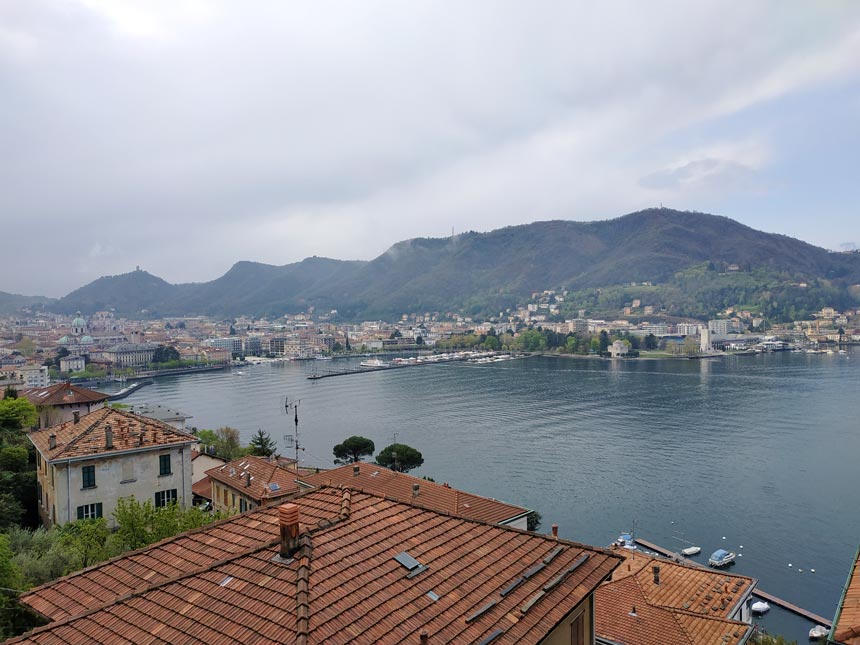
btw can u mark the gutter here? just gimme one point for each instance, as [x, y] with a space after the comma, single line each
[841, 604]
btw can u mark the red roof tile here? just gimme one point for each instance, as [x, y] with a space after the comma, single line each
[399, 486]
[62, 394]
[87, 437]
[342, 585]
[257, 478]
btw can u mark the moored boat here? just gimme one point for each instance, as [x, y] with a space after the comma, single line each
[760, 607]
[691, 550]
[721, 558]
[818, 632]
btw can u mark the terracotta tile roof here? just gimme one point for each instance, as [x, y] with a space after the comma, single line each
[267, 481]
[62, 394]
[106, 582]
[846, 624]
[439, 497]
[691, 605]
[87, 437]
[202, 488]
[342, 585]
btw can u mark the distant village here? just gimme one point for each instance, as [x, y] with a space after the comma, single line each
[38, 348]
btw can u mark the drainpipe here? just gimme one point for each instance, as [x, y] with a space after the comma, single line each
[182, 461]
[68, 490]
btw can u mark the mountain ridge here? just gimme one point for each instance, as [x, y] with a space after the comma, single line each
[475, 272]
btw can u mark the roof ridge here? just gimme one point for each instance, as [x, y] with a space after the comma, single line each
[74, 440]
[303, 581]
[671, 613]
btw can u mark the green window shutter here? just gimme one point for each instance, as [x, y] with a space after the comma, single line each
[80, 512]
[99, 509]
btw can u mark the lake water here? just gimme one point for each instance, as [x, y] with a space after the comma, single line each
[762, 450]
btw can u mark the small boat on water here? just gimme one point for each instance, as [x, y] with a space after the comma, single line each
[760, 607]
[818, 632]
[691, 550]
[373, 362]
[721, 558]
[626, 541]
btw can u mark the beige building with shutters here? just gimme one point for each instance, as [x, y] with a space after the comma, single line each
[85, 465]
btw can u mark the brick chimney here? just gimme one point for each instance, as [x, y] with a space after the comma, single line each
[288, 519]
[356, 470]
[108, 437]
[656, 570]
[555, 531]
[76, 416]
[416, 488]
[247, 479]
[52, 441]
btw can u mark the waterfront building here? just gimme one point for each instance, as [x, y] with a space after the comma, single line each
[84, 465]
[59, 403]
[618, 348]
[70, 364]
[650, 599]
[688, 329]
[127, 355]
[337, 565]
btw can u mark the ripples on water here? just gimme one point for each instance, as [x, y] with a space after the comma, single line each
[762, 450]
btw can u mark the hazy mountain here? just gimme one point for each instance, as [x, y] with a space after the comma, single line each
[12, 302]
[478, 272]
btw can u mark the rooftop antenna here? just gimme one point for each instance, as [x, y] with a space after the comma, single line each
[293, 440]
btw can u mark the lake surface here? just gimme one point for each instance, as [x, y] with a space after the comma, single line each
[762, 450]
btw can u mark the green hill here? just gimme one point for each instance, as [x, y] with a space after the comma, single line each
[488, 272]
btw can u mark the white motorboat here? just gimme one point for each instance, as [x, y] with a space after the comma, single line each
[626, 541]
[818, 632]
[691, 550]
[373, 362]
[760, 607]
[721, 558]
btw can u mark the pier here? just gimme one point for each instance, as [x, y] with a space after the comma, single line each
[779, 602]
[473, 357]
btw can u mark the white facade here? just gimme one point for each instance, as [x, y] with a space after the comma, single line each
[65, 493]
[34, 375]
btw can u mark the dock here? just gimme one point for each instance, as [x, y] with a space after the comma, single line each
[760, 593]
[466, 357]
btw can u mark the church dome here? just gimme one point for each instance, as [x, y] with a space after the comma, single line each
[87, 340]
[79, 322]
[64, 340]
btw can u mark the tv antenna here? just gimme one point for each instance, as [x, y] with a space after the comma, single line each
[294, 439]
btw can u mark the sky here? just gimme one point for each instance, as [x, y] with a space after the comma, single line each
[182, 136]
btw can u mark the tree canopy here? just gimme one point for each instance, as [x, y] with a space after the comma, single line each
[17, 413]
[225, 441]
[352, 450]
[399, 457]
[262, 444]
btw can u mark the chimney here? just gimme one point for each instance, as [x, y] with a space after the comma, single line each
[424, 637]
[76, 416]
[555, 531]
[288, 518]
[140, 438]
[356, 470]
[656, 570]
[108, 437]
[415, 489]
[247, 479]
[52, 441]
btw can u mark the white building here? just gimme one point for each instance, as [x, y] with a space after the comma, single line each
[34, 375]
[85, 465]
[72, 364]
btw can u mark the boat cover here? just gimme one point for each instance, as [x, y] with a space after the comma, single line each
[719, 554]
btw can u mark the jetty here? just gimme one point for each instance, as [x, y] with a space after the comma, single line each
[760, 593]
[470, 357]
[124, 392]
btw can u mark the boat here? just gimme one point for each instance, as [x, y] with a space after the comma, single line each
[760, 607]
[721, 558]
[373, 362]
[626, 541]
[818, 632]
[691, 550]
[239, 373]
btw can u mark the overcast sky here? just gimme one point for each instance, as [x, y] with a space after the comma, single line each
[186, 136]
